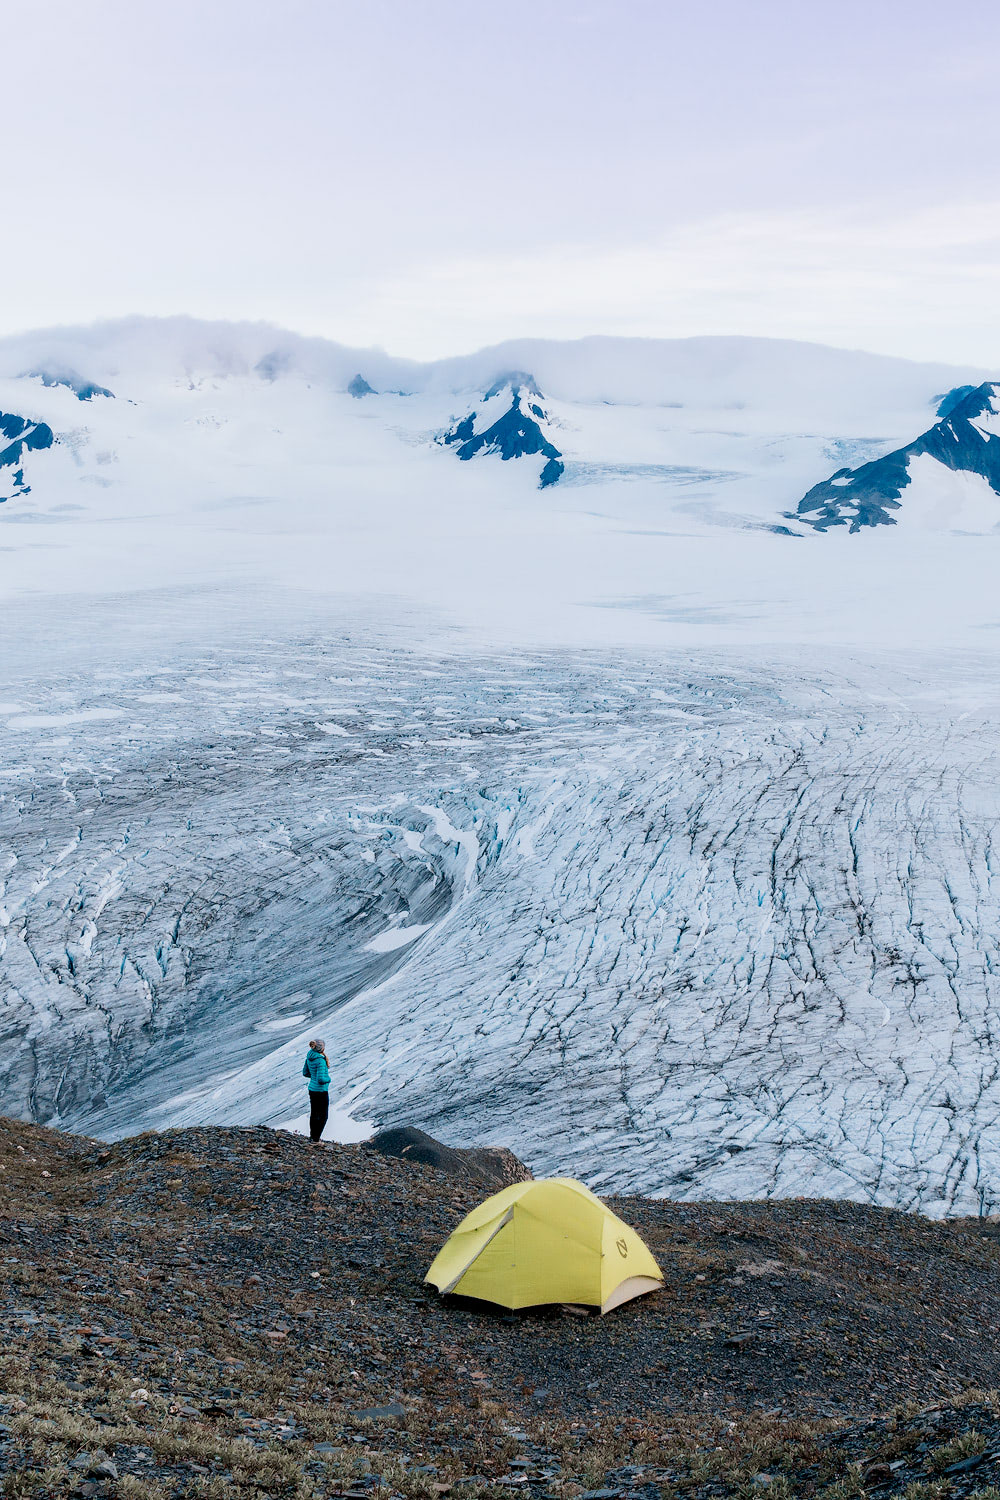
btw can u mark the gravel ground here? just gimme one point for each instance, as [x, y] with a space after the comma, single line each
[234, 1312]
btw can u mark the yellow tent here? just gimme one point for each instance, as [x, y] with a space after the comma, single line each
[545, 1241]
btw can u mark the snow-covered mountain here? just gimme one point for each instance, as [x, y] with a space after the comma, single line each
[511, 421]
[948, 477]
[198, 456]
[664, 436]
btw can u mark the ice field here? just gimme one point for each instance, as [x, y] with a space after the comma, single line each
[685, 925]
[616, 822]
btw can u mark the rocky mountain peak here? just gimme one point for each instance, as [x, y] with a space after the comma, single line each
[512, 421]
[965, 441]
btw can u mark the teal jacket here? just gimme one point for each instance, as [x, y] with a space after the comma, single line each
[317, 1072]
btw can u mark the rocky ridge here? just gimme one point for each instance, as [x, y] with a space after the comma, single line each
[966, 440]
[234, 1312]
[82, 388]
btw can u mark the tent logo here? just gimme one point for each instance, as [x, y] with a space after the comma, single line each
[622, 1248]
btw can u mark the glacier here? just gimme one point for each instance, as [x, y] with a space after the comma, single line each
[704, 927]
[627, 821]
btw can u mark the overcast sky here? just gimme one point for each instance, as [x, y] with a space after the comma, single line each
[434, 175]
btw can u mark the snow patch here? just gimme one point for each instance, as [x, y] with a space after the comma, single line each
[397, 937]
[55, 721]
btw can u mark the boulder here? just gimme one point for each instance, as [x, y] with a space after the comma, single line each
[493, 1166]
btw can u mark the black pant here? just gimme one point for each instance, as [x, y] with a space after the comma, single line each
[319, 1108]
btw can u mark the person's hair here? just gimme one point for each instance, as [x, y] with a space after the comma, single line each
[318, 1046]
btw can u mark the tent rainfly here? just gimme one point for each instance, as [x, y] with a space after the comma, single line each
[550, 1240]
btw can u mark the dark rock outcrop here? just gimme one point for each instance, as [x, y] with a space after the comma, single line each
[19, 435]
[493, 1166]
[946, 404]
[359, 387]
[83, 390]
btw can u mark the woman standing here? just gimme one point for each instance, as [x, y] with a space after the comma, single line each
[317, 1070]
